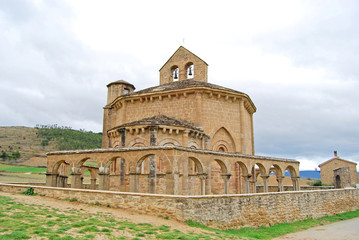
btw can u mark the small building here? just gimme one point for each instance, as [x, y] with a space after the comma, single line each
[331, 174]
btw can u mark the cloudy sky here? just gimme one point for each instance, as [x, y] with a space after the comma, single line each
[297, 60]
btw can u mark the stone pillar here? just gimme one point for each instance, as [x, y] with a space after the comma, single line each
[122, 175]
[76, 181]
[185, 177]
[208, 184]
[185, 138]
[246, 179]
[152, 175]
[280, 183]
[265, 182]
[203, 178]
[296, 184]
[62, 181]
[241, 126]
[153, 135]
[176, 182]
[51, 179]
[103, 181]
[226, 178]
[93, 183]
[122, 132]
[134, 182]
[198, 111]
[170, 182]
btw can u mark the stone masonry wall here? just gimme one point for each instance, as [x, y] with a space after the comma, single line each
[219, 211]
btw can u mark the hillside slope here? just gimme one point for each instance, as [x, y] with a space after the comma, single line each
[28, 146]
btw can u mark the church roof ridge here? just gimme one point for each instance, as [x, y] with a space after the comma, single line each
[182, 47]
[183, 84]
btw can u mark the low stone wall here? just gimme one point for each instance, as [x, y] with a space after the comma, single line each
[260, 189]
[219, 211]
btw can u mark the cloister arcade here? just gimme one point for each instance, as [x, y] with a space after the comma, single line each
[168, 170]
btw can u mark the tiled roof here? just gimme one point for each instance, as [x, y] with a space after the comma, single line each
[181, 85]
[161, 120]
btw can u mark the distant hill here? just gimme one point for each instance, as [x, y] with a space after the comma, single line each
[310, 174]
[22, 145]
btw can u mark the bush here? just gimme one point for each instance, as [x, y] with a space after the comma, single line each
[30, 192]
[316, 183]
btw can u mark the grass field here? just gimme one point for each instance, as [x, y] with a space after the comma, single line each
[23, 221]
[22, 174]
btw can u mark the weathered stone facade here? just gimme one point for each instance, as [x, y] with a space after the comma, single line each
[219, 211]
[185, 136]
[327, 169]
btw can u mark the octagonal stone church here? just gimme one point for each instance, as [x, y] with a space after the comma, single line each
[183, 137]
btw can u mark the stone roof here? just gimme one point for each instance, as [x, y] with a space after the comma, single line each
[336, 158]
[161, 120]
[120, 82]
[183, 48]
[181, 85]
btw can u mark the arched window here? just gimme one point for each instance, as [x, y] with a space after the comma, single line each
[190, 70]
[174, 73]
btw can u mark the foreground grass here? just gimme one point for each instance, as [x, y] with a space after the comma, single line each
[279, 229]
[25, 221]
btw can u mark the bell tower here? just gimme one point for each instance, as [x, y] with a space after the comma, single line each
[183, 65]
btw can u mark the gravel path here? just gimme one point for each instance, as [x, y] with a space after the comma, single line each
[344, 230]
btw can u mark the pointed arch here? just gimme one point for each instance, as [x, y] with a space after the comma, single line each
[222, 140]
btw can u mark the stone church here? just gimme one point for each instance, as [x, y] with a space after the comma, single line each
[184, 137]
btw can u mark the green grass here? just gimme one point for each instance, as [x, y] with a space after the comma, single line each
[278, 229]
[12, 168]
[24, 221]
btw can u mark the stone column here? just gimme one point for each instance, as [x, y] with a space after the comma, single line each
[296, 184]
[203, 178]
[76, 181]
[185, 177]
[93, 183]
[246, 179]
[62, 181]
[241, 125]
[265, 182]
[134, 182]
[226, 178]
[253, 181]
[185, 138]
[198, 108]
[122, 175]
[152, 175]
[170, 182]
[103, 181]
[153, 135]
[51, 179]
[176, 182]
[280, 183]
[122, 132]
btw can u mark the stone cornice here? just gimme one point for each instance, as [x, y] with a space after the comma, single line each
[186, 149]
[177, 93]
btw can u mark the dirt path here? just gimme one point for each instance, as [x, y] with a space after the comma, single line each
[118, 214]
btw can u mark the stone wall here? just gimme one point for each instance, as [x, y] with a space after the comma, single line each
[219, 211]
